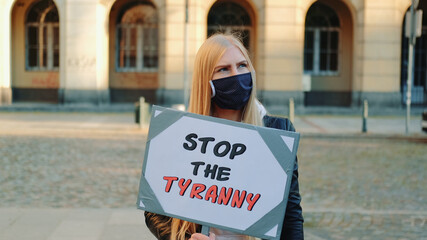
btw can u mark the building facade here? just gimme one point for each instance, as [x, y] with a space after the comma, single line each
[320, 53]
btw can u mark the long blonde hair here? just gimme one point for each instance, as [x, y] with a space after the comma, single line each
[207, 57]
[200, 99]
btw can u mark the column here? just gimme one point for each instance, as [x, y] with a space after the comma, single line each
[380, 24]
[85, 53]
[281, 67]
[5, 46]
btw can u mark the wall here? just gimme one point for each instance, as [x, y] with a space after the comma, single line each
[281, 61]
[380, 40]
[86, 71]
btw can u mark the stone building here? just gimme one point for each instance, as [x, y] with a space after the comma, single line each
[321, 53]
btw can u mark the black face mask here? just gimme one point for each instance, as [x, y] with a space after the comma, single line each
[232, 92]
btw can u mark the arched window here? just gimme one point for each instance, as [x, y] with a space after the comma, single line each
[137, 38]
[419, 81]
[42, 37]
[229, 17]
[321, 43]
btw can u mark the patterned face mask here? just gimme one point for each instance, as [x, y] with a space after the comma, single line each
[232, 92]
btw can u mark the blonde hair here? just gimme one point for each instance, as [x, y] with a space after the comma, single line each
[180, 229]
[207, 57]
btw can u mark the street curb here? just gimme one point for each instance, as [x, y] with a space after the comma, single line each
[130, 107]
[46, 107]
[394, 137]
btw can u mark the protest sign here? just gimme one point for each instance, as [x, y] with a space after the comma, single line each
[217, 173]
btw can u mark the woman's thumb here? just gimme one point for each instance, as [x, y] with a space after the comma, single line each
[212, 236]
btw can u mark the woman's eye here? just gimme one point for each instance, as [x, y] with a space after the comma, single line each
[243, 65]
[222, 69]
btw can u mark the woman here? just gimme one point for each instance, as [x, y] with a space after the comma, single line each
[224, 87]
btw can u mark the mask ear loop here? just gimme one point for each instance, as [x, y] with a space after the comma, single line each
[213, 89]
[253, 83]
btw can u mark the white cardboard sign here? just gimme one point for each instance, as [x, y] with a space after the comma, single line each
[217, 172]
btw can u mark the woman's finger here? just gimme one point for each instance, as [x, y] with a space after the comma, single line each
[199, 236]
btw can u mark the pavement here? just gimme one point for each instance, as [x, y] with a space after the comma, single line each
[309, 120]
[72, 223]
[70, 193]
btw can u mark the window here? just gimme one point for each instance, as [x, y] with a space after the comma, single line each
[42, 37]
[419, 77]
[137, 39]
[229, 17]
[321, 43]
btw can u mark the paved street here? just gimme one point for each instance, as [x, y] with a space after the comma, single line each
[76, 175]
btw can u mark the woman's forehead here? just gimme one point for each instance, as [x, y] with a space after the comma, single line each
[231, 55]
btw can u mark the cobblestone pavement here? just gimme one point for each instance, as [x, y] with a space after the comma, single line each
[70, 160]
[358, 188]
[352, 187]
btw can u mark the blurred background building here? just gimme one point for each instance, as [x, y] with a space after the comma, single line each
[320, 53]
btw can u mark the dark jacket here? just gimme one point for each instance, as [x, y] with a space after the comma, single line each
[293, 223]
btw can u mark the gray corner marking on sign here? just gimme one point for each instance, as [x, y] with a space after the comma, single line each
[166, 117]
[275, 144]
[289, 141]
[148, 198]
[263, 222]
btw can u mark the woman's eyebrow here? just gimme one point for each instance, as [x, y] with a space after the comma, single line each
[222, 66]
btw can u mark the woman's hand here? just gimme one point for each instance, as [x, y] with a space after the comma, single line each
[199, 236]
